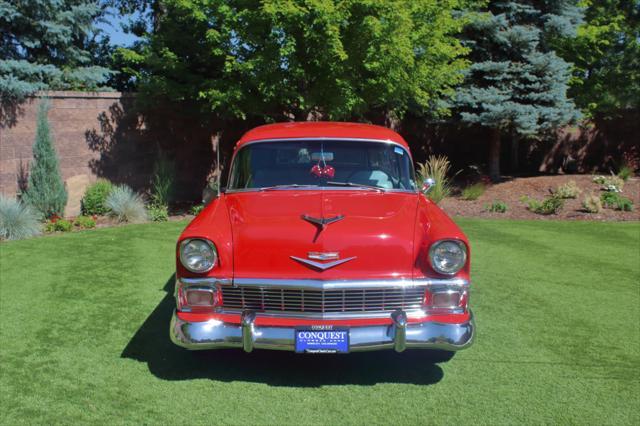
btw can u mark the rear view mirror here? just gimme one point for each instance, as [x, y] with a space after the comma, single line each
[322, 156]
[427, 184]
[210, 193]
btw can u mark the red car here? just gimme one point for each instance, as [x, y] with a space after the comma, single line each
[322, 242]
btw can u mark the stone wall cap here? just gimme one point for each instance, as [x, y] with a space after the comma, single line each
[78, 94]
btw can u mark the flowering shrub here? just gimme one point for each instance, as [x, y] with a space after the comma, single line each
[568, 190]
[158, 213]
[609, 183]
[85, 222]
[59, 225]
[195, 210]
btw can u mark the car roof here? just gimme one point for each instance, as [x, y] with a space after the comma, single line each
[321, 129]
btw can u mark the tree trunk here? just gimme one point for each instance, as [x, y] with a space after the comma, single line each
[494, 155]
[515, 143]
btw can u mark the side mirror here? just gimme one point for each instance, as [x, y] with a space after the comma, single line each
[427, 184]
[209, 194]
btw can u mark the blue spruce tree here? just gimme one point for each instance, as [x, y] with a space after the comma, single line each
[46, 191]
[48, 45]
[516, 83]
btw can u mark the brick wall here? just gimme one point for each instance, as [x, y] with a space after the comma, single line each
[103, 135]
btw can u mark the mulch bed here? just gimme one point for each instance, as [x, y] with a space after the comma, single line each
[511, 191]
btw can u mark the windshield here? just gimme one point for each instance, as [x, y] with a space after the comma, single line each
[325, 163]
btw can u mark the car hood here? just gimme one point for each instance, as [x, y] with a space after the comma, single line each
[375, 231]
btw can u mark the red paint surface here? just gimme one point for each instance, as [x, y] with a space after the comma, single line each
[320, 129]
[388, 233]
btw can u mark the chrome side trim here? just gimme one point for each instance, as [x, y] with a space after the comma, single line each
[348, 284]
[188, 282]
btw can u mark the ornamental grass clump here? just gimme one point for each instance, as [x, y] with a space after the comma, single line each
[616, 201]
[436, 168]
[625, 172]
[496, 207]
[548, 206]
[45, 192]
[163, 182]
[473, 192]
[592, 204]
[126, 205]
[17, 220]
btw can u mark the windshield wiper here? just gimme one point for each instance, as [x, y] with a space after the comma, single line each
[286, 186]
[356, 185]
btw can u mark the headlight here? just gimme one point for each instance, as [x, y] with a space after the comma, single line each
[448, 256]
[198, 255]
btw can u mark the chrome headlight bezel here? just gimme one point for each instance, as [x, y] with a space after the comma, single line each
[459, 265]
[208, 245]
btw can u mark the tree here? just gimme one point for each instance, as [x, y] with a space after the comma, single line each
[48, 45]
[277, 58]
[606, 57]
[46, 191]
[517, 83]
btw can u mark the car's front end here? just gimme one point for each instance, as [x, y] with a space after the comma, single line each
[355, 261]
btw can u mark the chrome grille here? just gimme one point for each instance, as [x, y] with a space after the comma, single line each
[270, 299]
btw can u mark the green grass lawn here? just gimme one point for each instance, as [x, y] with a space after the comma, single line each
[84, 338]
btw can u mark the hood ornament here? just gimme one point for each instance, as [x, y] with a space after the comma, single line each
[322, 256]
[322, 222]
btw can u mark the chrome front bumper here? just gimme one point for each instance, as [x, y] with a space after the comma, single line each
[399, 335]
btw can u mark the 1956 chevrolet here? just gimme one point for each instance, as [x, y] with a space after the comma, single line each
[322, 242]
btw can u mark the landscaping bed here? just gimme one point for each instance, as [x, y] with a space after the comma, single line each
[512, 190]
[85, 339]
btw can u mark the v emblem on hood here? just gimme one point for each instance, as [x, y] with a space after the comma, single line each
[322, 266]
[322, 222]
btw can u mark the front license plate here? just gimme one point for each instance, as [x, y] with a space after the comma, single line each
[325, 339]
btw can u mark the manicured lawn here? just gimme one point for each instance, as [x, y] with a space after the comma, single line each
[84, 338]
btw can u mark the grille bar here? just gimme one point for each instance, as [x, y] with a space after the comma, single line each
[274, 299]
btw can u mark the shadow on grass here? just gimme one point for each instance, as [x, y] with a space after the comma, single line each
[166, 361]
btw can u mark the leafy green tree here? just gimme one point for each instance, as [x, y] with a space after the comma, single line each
[49, 45]
[46, 191]
[606, 57]
[516, 83]
[277, 58]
